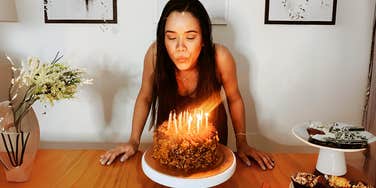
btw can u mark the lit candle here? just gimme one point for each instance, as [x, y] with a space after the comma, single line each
[169, 121]
[180, 119]
[201, 117]
[186, 118]
[189, 123]
[175, 124]
[198, 122]
[206, 120]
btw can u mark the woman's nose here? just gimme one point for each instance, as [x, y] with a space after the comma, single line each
[180, 46]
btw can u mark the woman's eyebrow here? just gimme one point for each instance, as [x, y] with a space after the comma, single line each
[169, 31]
[190, 31]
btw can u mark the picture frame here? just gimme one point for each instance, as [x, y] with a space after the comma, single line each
[217, 10]
[84, 11]
[309, 12]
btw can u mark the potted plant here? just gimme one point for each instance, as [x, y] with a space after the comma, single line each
[33, 81]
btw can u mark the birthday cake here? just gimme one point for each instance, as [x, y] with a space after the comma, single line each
[186, 143]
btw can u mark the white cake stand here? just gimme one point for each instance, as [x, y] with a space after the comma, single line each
[330, 161]
[215, 176]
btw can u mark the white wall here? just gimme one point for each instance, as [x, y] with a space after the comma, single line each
[288, 74]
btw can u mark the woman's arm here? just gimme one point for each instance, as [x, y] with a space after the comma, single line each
[140, 114]
[143, 101]
[227, 71]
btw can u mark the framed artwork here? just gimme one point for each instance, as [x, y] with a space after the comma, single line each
[217, 10]
[314, 12]
[80, 11]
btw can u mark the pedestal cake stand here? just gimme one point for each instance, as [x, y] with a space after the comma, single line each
[331, 160]
[219, 173]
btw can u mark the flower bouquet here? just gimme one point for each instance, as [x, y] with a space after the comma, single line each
[33, 81]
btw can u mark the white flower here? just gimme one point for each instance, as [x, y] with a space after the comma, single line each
[47, 82]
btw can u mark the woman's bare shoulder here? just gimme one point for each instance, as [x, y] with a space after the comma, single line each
[227, 71]
[222, 55]
[220, 47]
[151, 54]
[152, 50]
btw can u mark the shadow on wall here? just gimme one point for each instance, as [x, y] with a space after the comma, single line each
[243, 66]
[245, 81]
[109, 81]
[5, 76]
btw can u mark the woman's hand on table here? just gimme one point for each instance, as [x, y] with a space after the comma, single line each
[125, 150]
[264, 160]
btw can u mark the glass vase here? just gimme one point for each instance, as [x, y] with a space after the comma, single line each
[18, 148]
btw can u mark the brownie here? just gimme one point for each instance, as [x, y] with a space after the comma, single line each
[308, 180]
[319, 180]
[312, 131]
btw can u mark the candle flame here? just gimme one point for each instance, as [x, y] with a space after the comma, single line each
[189, 122]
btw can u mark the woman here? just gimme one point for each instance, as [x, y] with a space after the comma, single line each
[184, 67]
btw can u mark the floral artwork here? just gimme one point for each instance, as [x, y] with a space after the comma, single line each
[80, 11]
[300, 12]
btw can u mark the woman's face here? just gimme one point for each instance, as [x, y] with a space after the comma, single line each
[183, 39]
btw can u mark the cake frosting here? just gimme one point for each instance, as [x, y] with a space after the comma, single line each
[184, 147]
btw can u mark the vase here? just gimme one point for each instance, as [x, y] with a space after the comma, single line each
[18, 149]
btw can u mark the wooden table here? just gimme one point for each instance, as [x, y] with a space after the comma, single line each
[81, 168]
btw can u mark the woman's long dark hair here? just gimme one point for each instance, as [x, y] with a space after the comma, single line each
[165, 88]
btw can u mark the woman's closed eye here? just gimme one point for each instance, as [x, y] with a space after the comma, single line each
[171, 38]
[191, 37]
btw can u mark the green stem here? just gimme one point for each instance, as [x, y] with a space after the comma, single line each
[11, 149]
[10, 93]
[26, 102]
[23, 113]
[24, 97]
[17, 148]
[6, 147]
[24, 145]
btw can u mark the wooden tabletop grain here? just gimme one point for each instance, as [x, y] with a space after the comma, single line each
[81, 168]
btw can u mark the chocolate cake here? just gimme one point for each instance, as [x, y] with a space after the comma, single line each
[185, 150]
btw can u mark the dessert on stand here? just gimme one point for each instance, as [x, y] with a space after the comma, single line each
[333, 140]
